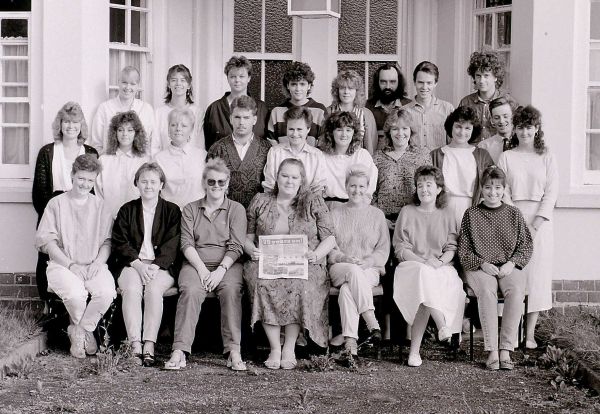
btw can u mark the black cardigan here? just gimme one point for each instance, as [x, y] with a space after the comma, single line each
[42, 179]
[128, 236]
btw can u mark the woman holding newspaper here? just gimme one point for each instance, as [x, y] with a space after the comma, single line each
[291, 303]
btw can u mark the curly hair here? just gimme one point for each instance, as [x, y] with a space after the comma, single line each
[86, 162]
[139, 141]
[430, 171]
[528, 115]
[391, 121]
[297, 71]
[304, 195]
[487, 61]
[426, 67]
[153, 167]
[351, 79]
[189, 96]
[71, 111]
[463, 114]
[238, 62]
[400, 91]
[493, 173]
[341, 120]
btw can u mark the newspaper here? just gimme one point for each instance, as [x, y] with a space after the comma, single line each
[283, 257]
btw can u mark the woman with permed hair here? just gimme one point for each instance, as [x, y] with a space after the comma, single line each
[341, 148]
[487, 71]
[462, 163]
[179, 94]
[426, 282]
[125, 153]
[532, 185]
[53, 168]
[348, 94]
[297, 83]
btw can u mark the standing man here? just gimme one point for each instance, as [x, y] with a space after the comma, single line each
[217, 118]
[388, 94]
[501, 119]
[243, 153]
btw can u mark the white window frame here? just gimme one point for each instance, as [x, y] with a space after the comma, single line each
[590, 177]
[402, 51]
[127, 46]
[17, 171]
[263, 55]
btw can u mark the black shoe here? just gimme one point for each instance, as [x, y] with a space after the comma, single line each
[375, 337]
[149, 360]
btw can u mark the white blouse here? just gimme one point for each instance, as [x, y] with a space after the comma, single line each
[61, 168]
[460, 170]
[336, 167]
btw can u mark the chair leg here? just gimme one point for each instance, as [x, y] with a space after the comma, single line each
[523, 339]
[471, 339]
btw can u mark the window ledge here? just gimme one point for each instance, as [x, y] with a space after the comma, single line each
[580, 197]
[15, 191]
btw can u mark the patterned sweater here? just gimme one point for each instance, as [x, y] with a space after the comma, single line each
[494, 235]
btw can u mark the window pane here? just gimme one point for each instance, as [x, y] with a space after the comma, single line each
[483, 32]
[122, 2]
[138, 28]
[274, 70]
[139, 3]
[595, 65]
[278, 27]
[15, 113]
[14, 50]
[351, 33]
[14, 71]
[504, 25]
[13, 28]
[15, 5]
[247, 26]
[483, 4]
[594, 19]
[254, 85]
[383, 27]
[117, 26]
[15, 145]
[593, 151]
[593, 115]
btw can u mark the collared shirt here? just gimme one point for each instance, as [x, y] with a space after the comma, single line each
[183, 168]
[482, 109]
[147, 250]
[311, 157]
[242, 149]
[115, 182]
[214, 236]
[428, 122]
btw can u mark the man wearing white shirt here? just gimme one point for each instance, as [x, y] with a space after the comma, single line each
[501, 119]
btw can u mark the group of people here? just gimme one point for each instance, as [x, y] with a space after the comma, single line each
[446, 195]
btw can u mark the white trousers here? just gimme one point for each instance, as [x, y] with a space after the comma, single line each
[132, 293]
[74, 293]
[356, 293]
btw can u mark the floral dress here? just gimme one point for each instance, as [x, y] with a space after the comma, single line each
[288, 301]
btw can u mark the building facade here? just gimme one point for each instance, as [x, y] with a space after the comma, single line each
[53, 51]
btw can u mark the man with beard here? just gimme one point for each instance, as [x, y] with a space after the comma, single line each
[388, 94]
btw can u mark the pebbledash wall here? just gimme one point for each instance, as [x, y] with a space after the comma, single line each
[549, 60]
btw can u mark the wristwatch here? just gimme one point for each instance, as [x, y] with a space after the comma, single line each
[223, 266]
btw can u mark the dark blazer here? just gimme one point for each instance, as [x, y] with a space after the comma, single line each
[42, 179]
[128, 236]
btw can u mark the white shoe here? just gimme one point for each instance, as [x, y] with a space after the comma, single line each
[337, 340]
[90, 344]
[77, 337]
[414, 360]
[444, 334]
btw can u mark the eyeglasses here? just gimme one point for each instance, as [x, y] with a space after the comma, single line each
[211, 182]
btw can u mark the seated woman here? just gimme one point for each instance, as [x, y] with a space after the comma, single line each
[494, 246]
[212, 235]
[182, 162]
[363, 247]
[290, 303]
[425, 282]
[348, 94]
[341, 149]
[77, 239]
[125, 153]
[145, 239]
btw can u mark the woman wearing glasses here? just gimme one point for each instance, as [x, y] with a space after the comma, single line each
[213, 230]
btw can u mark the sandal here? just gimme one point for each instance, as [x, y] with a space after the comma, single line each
[288, 363]
[492, 365]
[177, 361]
[236, 364]
[507, 364]
[148, 360]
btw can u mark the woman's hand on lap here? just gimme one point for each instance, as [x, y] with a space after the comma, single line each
[490, 269]
[506, 269]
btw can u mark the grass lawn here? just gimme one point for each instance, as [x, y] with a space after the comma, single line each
[16, 327]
